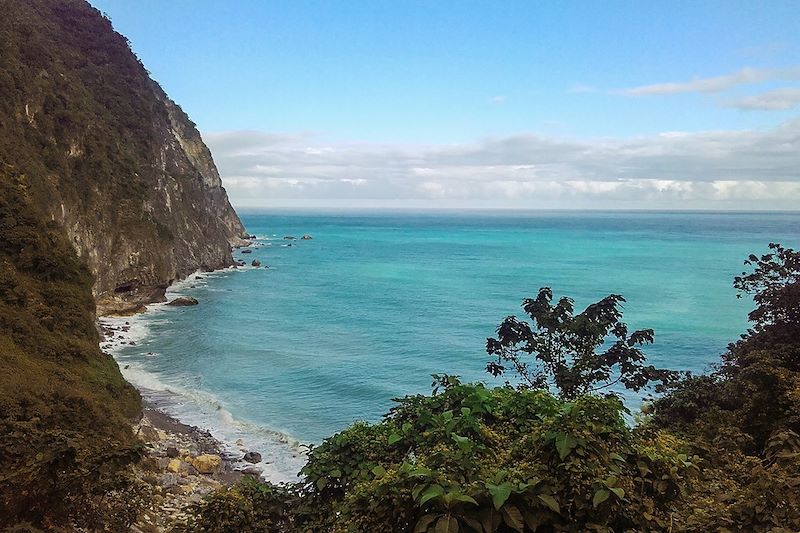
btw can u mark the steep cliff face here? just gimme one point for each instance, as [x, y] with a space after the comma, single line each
[107, 194]
[107, 154]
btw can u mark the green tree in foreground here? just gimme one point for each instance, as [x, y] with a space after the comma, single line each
[580, 353]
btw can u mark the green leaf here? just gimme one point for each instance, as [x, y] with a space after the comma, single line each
[379, 471]
[447, 524]
[599, 497]
[513, 517]
[565, 444]
[335, 473]
[550, 502]
[406, 427]
[459, 497]
[619, 492]
[394, 438]
[434, 491]
[617, 457]
[499, 493]
[322, 483]
[464, 444]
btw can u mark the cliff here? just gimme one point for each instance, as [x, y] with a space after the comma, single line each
[107, 194]
[107, 155]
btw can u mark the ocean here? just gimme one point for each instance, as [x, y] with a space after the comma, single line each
[376, 302]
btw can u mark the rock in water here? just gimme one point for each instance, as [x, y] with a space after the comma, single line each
[307, 237]
[183, 301]
[252, 457]
[256, 263]
[289, 238]
[247, 251]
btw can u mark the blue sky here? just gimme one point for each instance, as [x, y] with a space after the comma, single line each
[285, 91]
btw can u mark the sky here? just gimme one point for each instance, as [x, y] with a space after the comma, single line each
[494, 104]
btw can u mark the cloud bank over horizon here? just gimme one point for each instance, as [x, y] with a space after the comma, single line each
[673, 170]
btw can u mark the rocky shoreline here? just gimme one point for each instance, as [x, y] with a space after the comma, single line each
[183, 465]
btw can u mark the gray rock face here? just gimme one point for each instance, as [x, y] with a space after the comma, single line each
[127, 174]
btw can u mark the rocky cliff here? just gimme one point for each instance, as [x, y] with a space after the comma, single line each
[107, 194]
[106, 154]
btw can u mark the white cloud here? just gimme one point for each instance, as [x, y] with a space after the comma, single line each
[715, 169]
[715, 84]
[774, 100]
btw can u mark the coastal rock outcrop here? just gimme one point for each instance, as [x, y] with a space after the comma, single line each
[183, 301]
[107, 155]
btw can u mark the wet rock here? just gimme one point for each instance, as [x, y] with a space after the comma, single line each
[183, 301]
[307, 237]
[289, 238]
[247, 251]
[252, 457]
[256, 263]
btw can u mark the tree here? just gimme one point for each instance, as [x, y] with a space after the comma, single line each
[774, 284]
[578, 354]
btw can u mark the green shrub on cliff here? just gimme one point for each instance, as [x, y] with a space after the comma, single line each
[65, 437]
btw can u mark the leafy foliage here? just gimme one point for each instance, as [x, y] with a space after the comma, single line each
[573, 351]
[475, 459]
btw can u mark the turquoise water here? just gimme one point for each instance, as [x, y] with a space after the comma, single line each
[376, 302]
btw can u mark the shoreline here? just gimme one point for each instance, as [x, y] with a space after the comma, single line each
[183, 462]
[119, 332]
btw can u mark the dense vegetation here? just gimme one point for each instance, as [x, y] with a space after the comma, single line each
[65, 435]
[718, 452]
